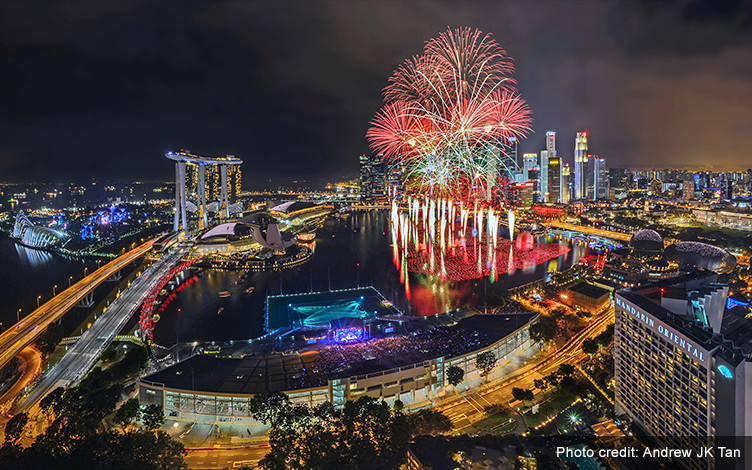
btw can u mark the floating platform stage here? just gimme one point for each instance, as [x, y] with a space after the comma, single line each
[319, 309]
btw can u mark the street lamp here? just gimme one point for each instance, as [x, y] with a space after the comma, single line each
[38, 297]
[18, 315]
[54, 289]
[70, 278]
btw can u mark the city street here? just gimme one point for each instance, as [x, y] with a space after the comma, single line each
[466, 409]
[225, 457]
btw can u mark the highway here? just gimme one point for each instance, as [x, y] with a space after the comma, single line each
[590, 231]
[23, 333]
[31, 365]
[85, 352]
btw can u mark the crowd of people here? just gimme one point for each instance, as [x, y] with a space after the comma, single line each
[396, 351]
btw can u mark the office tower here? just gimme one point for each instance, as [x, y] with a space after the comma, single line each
[512, 150]
[554, 179]
[600, 181]
[525, 194]
[580, 166]
[366, 191]
[534, 177]
[688, 188]
[543, 175]
[619, 183]
[728, 190]
[656, 187]
[551, 143]
[373, 184]
[546, 155]
[683, 364]
[529, 162]
[566, 184]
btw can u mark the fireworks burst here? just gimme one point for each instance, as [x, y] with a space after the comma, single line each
[449, 115]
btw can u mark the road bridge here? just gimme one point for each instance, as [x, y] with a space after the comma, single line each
[23, 333]
[625, 237]
[85, 352]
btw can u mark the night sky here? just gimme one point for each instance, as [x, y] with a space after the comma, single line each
[102, 89]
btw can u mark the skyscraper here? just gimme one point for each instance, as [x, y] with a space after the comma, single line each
[546, 155]
[600, 182]
[529, 162]
[543, 181]
[580, 165]
[213, 182]
[372, 179]
[554, 179]
[566, 184]
[682, 366]
[512, 150]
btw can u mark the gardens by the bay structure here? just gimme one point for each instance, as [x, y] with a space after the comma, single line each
[449, 117]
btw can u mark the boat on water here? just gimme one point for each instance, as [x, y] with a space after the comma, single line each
[221, 309]
[224, 293]
[249, 290]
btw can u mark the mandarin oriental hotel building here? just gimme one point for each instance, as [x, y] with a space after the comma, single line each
[683, 367]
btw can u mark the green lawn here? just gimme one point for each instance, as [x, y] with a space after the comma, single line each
[558, 402]
[494, 421]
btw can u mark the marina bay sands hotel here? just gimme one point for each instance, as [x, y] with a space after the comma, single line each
[210, 180]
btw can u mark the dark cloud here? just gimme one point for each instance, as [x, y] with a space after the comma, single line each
[104, 88]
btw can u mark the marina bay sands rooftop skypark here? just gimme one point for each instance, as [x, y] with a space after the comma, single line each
[186, 156]
[182, 204]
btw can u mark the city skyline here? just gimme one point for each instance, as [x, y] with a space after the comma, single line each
[131, 81]
[342, 235]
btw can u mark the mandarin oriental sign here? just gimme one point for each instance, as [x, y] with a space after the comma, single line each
[662, 329]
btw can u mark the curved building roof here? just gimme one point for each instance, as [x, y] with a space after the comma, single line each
[228, 230]
[646, 240]
[700, 255]
[293, 206]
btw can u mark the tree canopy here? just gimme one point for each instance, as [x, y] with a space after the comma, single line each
[76, 438]
[363, 434]
[544, 330]
[485, 362]
[455, 375]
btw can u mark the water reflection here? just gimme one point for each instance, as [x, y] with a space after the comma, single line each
[355, 249]
[33, 258]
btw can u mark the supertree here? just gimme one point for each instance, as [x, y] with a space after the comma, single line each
[448, 116]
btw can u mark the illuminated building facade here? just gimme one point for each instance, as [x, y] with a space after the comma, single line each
[213, 182]
[545, 156]
[372, 179]
[554, 179]
[566, 184]
[580, 166]
[597, 181]
[683, 367]
[204, 185]
[531, 173]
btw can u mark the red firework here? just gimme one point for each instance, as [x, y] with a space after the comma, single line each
[445, 109]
